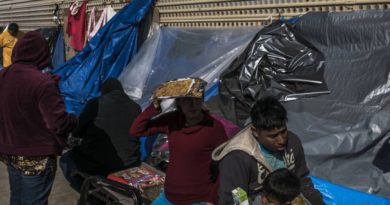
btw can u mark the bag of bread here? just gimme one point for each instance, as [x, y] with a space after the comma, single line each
[183, 87]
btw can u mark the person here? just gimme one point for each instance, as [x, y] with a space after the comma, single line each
[281, 187]
[260, 148]
[192, 135]
[106, 145]
[34, 124]
[8, 40]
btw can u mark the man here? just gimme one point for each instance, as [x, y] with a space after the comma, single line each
[8, 39]
[106, 144]
[34, 124]
[259, 149]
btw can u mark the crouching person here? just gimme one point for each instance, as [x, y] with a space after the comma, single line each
[34, 124]
[106, 144]
[258, 150]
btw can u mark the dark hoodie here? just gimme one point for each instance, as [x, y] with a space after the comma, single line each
[33, 121]
[104, 124]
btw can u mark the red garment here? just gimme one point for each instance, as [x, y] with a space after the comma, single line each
[76, 27]
[33, 121]
[188, 175]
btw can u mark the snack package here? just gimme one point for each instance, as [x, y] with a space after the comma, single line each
[240, 196]
[184, 87]
[145, 178]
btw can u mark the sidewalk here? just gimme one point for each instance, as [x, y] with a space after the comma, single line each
[61, 193]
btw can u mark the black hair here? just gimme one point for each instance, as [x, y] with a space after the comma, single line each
[281, 185]
[13, 29]
[268, 114]
[1, 29]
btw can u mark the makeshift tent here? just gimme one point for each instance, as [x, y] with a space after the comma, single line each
[108, 52]
[342, 132]
[175, 53]
[278, 62]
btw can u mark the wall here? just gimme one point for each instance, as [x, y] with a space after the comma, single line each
[33, 14]
[228, 13]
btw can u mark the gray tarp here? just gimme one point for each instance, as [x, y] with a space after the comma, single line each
[342, 132]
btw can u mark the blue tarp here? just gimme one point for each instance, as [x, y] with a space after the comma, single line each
[108, 52]
[334, 194]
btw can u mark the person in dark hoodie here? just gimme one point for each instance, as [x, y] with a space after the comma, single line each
[258, 150]
[106, 144]
[34, 124]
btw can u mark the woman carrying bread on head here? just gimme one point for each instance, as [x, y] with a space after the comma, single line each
[192, 135]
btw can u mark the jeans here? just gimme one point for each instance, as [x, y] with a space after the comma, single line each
[162, 200]
[68, 167]
[34, 190]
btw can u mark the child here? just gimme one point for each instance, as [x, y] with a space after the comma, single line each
[282, 187]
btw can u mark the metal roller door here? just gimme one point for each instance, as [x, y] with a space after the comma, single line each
[231, 13]
[34, 14]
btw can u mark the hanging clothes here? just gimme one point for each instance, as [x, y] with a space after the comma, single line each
[76, 24]
[93, 27]
[58, 56]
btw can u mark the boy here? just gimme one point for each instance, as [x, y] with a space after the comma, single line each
[282, 187]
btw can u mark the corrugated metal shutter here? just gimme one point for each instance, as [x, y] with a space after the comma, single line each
[29, 14]
[231, 13]
[34, 14]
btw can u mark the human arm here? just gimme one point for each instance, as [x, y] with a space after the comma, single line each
[301, 170]
[52, 109]
[86, 117]
[2, 39]
[144, 125]
[234, 171]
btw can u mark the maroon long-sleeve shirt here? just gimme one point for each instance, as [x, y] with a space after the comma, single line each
[188, 178]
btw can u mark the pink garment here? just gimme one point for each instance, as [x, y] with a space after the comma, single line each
[230, 128]
[93, 27]
[76, 24]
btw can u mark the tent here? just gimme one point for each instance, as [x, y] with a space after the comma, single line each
[108, 52]
[343, 130]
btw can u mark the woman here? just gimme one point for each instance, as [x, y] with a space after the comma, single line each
[192, 135]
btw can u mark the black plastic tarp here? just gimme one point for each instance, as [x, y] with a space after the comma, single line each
[343, 132]
[278, 62]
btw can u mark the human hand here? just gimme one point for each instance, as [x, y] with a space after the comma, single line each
[56, 78]
[157, 104]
